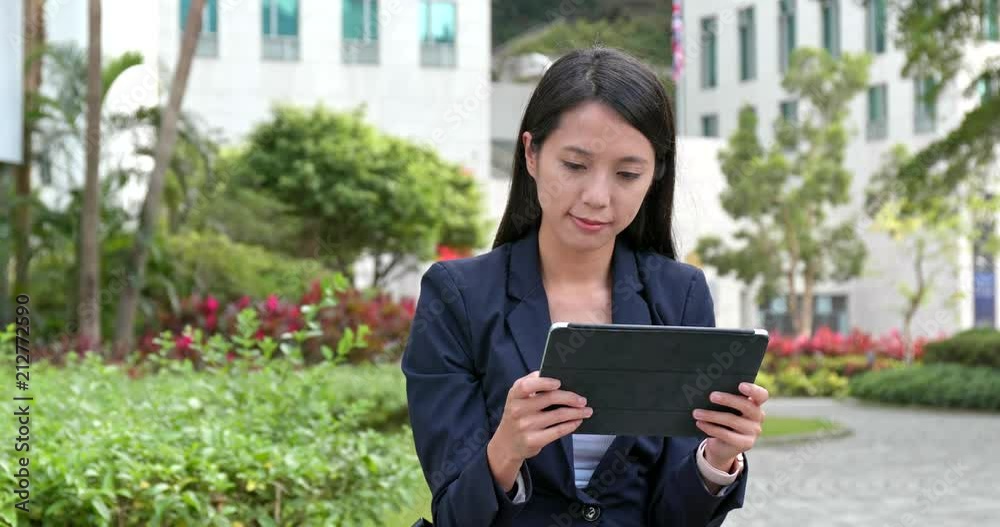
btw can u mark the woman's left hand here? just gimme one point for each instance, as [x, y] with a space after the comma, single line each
[724, 445]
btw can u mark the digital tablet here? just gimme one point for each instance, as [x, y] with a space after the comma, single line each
[647, 380]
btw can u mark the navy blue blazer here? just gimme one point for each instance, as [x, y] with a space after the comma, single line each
[480, 324]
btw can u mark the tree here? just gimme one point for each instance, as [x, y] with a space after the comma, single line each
[783, 198]
[928, 238]
[359, 192]
[89, 311]
[34, 34]
[961, 166]
[167, 136]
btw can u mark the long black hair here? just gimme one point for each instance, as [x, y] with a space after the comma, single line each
[625, 84]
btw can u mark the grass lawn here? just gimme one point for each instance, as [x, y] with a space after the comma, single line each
[773, 427]
[780, 426]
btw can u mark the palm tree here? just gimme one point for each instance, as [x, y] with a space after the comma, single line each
[151, 206]
[90, 263]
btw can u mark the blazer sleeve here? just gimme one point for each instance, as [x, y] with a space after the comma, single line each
[678, 496]
[448, 412]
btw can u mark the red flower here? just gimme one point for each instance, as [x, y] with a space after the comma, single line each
[211, 305]
[183, 343]
[271, 304]
[211, 321]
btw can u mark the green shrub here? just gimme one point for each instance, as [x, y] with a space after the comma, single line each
[940, 385]
[792, 381]
[829, 383]
[211, 263]
[196, 448]
[974, 347]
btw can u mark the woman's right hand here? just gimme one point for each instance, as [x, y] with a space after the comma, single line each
[526, 426]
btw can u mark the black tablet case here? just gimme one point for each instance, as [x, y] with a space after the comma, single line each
[647, 380]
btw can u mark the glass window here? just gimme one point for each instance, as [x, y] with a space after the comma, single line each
[360, 31]
[991, 19]
[786, 36]
[984, 277]
[438, 30]
[829, 310]
[748, 45]
[878, 112]
[988, 88]
[710, 125]
[925, 113]
[709, 58]
[831, 26]
[280, 29]
[790, 111]
[208, 40]
[876, 20]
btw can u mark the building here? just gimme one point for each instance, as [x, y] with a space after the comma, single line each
[736, 55]
[421, 68]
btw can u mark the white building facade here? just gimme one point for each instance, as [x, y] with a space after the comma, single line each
[736, 54]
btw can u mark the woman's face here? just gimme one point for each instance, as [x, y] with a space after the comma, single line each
[592, 174]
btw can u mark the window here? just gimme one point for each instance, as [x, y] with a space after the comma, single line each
[748, 45]
[208, 40]
[876, 21]
[360, 32]
[438, 26]
[925, 113]
[786, 33]
[829, 310]
[710, 125]
[878, 113]
[709, 58]
[831, 26]
[988, 88]
[280, 29]
[991, 19]
[984, 278]
[790, 111]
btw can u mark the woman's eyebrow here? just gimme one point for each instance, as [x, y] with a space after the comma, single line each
[587, 153]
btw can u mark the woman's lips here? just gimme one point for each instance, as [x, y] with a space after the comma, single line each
[588, 225]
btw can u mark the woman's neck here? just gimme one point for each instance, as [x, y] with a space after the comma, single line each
[564, 267]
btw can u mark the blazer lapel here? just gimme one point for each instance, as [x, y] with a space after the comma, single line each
[529, 320]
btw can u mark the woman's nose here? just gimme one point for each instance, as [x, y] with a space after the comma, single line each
[597, 193]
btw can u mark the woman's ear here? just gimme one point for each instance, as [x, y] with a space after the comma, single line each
[530, 155]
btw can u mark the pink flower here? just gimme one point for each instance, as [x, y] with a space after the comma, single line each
[272, 303]
[211, 321]
[211, 305]
[183, 343]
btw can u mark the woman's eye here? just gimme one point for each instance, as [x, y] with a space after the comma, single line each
[573, 166]
[630, 175]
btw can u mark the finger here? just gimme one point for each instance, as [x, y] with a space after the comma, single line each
[737, 423]
[755, 392]
[527, 385]
[739, 441]
[557, 397]
[543, 420]
[746, 407]
[547, 435]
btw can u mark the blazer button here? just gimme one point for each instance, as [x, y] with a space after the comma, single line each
[591, 513]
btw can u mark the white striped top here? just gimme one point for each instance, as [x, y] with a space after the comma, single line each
[588, 449]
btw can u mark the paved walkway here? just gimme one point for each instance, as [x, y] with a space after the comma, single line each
[902, 467]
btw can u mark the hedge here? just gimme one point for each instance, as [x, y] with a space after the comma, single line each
[974, 347]
[939, 385]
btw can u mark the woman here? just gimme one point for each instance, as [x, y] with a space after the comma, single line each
[586, 237]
